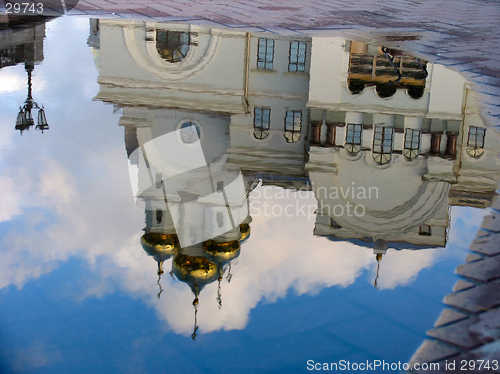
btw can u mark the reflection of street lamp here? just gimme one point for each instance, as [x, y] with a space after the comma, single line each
[24, 118]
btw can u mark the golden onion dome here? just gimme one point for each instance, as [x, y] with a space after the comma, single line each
[160, 246]
[245, 231]
[191, 269]
[221, 252]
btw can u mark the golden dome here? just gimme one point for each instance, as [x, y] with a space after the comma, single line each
[245, 231]
[194, 269]
[221, 252]
[160, 245]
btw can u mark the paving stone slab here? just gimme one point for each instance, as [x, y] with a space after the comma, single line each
[462, 285]
[472, 257]
[448, 316]
[461, 334]
[477, 299]
[481, 271]
[432, 350]
[492, 222]
[487, 245]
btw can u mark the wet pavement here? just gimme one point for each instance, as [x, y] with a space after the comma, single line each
[462, 35]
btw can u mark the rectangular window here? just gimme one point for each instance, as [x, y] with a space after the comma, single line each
[382, 140]
[261, 122]
[265, 54]
[293, 125]
[353, 136]
[476, 137]
[297, 57]
[412, 144]
[262, 118]
[412, 139]
[382, 144]
[424, 230]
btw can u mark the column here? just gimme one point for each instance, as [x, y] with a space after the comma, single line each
[330, 135]
[451, 144]
[316, 133]
[435, 143]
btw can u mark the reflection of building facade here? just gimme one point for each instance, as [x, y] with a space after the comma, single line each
[22, 46]
[408, 128]
[343, 117]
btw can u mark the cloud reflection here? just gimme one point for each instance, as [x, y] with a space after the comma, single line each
[67, 196]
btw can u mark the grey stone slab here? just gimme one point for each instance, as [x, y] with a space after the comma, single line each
[482, 233]
[448, 316]
[460, 334]
[462, 285]
[490, 351]
[481, 271]
[472, 257]
[477, 299]
[492, 222]
[487, 245]
[432, 350]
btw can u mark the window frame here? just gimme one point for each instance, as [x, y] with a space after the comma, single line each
[261, 130]
[411, 152]
[265, 63]
[300, 61]
[292, 134]
[476, 150]
[384, 155]
[180, 44]
[350, 144]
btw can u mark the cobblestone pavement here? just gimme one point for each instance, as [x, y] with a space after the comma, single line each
[468, 329]
[462, 34]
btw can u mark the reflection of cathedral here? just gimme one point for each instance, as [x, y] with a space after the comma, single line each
[340, 117]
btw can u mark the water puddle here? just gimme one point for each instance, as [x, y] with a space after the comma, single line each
[276, 199]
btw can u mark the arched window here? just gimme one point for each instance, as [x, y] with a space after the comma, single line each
[293, 125]
[190, 132]
[385, 90]
[353, 138]
[415, 92]
[261, 123]
[172, 46]
[382, 144]
[475, 141]
[412, 144]
[356, 86]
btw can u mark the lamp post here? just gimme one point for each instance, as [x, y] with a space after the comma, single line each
[24, 118]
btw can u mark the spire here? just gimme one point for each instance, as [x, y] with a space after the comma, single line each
[195, 304]
[159, 285]
[219, 293]
[160, 272]
[229, 275]
[379, 258]
[193, 335]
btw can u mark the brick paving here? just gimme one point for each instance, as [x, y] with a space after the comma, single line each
[461, 34]
[468, 329]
